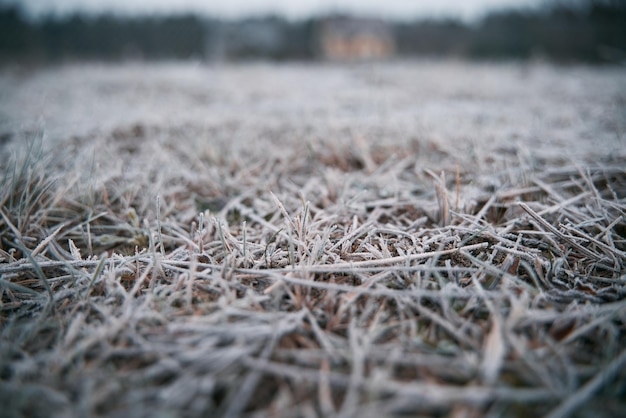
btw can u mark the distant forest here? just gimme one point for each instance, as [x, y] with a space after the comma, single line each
[592, 31]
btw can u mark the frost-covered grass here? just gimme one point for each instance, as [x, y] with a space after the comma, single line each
[428, 239]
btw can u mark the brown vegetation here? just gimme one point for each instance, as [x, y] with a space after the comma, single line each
[176, 271]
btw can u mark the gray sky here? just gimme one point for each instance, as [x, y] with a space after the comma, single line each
[466, 9]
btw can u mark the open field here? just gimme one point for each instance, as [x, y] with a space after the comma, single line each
[413, 238]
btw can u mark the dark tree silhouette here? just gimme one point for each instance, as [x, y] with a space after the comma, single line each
[567, 31]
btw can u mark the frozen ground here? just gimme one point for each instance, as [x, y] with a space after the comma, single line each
[402, 239]
[577, 111]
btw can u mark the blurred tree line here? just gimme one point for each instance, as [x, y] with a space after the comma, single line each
[101, 37]
[575, 30]
[584, 30]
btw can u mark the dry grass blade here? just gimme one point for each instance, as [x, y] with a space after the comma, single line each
[95, 275]
[18, 288]
[48, 240]
[558, 233]
[37, 269]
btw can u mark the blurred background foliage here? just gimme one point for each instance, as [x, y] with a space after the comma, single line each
[591, 31]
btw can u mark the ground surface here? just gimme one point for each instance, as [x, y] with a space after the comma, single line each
[419, 238]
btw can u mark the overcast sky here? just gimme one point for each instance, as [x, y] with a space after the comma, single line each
[404, 9]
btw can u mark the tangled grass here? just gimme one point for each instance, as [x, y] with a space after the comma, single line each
[180, 272]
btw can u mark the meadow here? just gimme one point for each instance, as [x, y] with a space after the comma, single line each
[419, 238]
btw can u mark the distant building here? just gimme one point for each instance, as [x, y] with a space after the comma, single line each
[354, 39]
